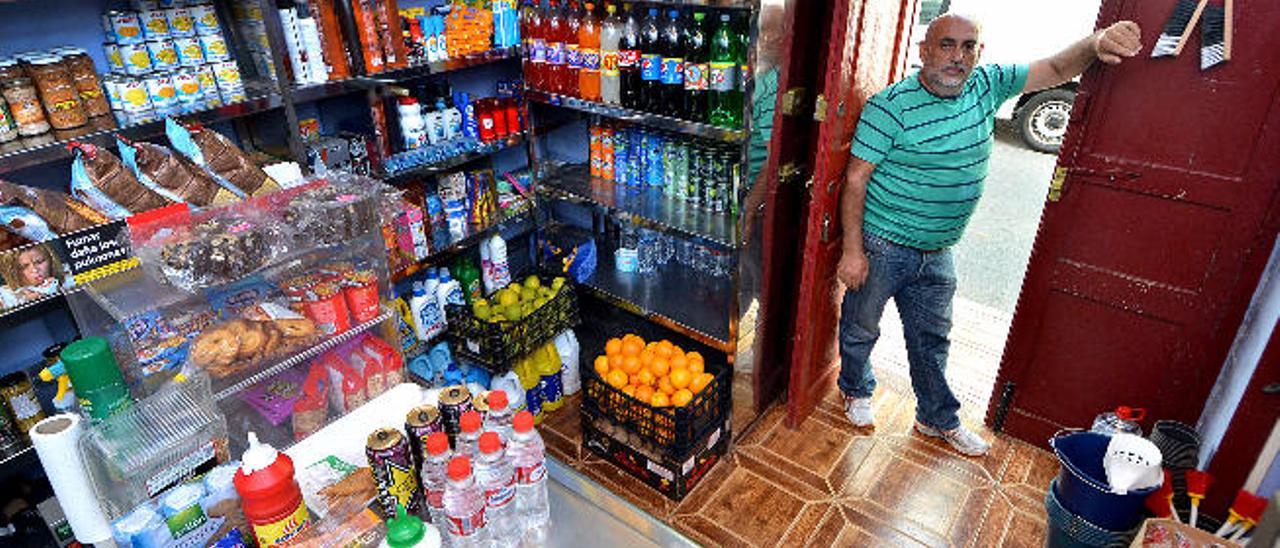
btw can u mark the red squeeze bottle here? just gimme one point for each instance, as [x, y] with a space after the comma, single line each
[270, 497]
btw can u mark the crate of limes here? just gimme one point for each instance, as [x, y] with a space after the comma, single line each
[658, 391]
[513, 322]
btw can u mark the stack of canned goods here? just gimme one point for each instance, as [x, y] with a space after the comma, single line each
[167, 57]
[695, 171]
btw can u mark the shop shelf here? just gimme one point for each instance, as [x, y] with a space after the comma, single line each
[453, 162]
[706, 131]
[16, 456]
[519, 222]
[337, 88]
[260, 100]
[725, 4]
[648, 203]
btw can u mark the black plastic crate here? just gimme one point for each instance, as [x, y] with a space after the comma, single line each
[672, 477]
[498, 345]
[674, 431]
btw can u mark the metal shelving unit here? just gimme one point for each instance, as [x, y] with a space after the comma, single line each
[453, 162]
[522, 221]
[338, 88]
[695, 129]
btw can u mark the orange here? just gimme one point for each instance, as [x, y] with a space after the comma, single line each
[632, 338]
[697, 368]
[700, 382]
[646, 358]
[613, 347]
[695, 357]
[644, 393]
[646, 377]
[632, 347]
[602, 366]
[664, 384]
[630, 365]
[682, 397]
[652, 347]
[659, 400]
[629, 390]
[615, 362]
[633, 380]
[665, 348]
[680, 378]
[675, 349]
[660, 367]
[678, 361]
[617, 378]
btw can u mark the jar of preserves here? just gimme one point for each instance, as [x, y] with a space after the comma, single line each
[85, 77]
[10, 69]
[58, 93]
[8, 130]
[24, 105]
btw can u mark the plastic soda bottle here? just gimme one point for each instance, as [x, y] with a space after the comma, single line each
[589, 52]
[610, 74]
[464, 507]
[725, 100]
[651, 63]
[629, 62]
[572, 49]
[553, 36]
[528, 456]
[696, 67]
[535, 53]
[435, 475]
[672, 72]
[497, 478]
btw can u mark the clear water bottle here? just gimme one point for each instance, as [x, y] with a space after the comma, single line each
[528, 455]
[497, 478]
[1124, 420]
[468, 434]
[435, 475]
[464, 507]
[498, 419]
[629, 238]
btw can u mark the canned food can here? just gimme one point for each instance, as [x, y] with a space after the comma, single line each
[154, 24]
[393, 470]
[190, 52]
[17, 392]
[161, 91]
[422, 421]
[454, 401]
[126, 27]
[134, 95]
[136, 59]
[115, 60]
[228, 74]
[141, 5]
[163, 55]
[107, 31]
[215, 48]
[206, 19]
[188, 85]
[181, 24]
[232, 95]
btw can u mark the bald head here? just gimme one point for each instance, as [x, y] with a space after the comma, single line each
[949, 52]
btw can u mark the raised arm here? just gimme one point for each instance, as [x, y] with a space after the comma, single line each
[1109, 45]
[852, 269]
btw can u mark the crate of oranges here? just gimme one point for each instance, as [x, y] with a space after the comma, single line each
[658, 391]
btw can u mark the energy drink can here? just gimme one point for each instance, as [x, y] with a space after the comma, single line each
[422, 421]
[454, 401]
[394, 472]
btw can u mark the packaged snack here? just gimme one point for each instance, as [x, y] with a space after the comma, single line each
[391, 364]
[62, 214]
[25, 223]
[348, 386]
[158, 168]
[95, 170]
[209, 149]
[311, 410]
[241, 344]
[274, 397]
[216, 248]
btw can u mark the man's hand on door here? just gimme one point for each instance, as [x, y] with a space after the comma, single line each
[1114, 43]
[852, 269]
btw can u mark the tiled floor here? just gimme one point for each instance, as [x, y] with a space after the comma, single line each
[827, 483]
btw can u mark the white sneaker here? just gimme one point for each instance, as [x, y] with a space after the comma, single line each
[962, 439]
[859, 411]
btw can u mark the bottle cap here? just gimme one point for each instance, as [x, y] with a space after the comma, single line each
[523, 422]
[259, 456]
[490, 442]
[459, 468]
[406, 101]
[674, 13]
[497, 400]
[470, 422]
[437, 443]
[404, 529]
[91, 365]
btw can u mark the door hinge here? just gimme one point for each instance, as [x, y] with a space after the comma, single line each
[1055, 185]
[826, 227]
[820, 108]
[793, 101]
[789, 173]
[1002, 409]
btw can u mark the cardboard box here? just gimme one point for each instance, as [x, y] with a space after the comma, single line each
[1166, 533]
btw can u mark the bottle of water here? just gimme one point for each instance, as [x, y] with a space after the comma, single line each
[468, 434]
[464, 507]
[435, 475]
[498, 419]
[497, 478]
[1124, 420]
[528, 455]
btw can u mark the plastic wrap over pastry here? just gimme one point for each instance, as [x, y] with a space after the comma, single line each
[159, 168]
[98, 175]
[221, 246]
[334, 213]
[210, 149]
[61, 213]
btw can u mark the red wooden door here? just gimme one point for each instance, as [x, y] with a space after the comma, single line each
[863, 51]
[1139, 274]
[1248, 432]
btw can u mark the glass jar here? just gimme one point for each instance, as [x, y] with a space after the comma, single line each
[85, 77]
[58, 93]
[10, 69]
[8, 130]
[24, 104]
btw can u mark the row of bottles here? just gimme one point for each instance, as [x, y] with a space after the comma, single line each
[681, 63]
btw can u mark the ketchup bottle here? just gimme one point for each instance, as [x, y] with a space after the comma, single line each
[269, 496]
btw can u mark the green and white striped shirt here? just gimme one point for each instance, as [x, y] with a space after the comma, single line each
[930, 154]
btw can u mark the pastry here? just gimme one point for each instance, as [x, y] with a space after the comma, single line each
[300, 328]
[109, 175]
[216, 347]
[253, 340]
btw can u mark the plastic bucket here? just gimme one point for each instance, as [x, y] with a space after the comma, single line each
[1082, 483]
[1067, 530]
[1178, 443]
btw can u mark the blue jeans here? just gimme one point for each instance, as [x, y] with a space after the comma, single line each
[922, 284]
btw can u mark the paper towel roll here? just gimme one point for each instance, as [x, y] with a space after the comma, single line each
[57, 441]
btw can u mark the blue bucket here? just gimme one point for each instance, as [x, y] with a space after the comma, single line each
[1067, 530]
[1082, 483]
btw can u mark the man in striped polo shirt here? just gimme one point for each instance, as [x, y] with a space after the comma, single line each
[919, 160]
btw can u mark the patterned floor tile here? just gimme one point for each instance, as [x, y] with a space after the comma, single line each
[759, 511]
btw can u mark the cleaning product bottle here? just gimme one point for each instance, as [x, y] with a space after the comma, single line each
[549, 383]
[453, 120]
[96, 377]
[432, 287]
[269, 495]
[418, 305]
[452, 289]
[569, 349]
[529, 383]
[407, 531]
[486, 268]
[501, 274]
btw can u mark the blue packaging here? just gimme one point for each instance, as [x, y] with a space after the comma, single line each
[453, 375]
[654, 174]
[470, 127]
[620, 149]
[478, 376]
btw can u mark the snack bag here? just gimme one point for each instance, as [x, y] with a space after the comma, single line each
[222, 158]
[348, 387]
[312, 409]
[274, 398]
[25, 223]
[61, 214]
[100, 177]
[156, 167]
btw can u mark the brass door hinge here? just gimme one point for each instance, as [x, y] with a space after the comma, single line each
[1055, 185]
[793, 101]
[789, 173]
[820, 108]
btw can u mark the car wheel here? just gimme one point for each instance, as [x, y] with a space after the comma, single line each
[1043, 119]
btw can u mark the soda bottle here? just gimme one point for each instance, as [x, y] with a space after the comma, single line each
[468, 434]
[651, 63]
[695, 68]
[528, 456]
[435, 476]
[654, 174]
[672, 73]
[589, 51]
[725, 100]
[464, 507]
[573, 54]
[629, 61]
[553, 35]
[497, 478]
[535, 47]
[610, 75]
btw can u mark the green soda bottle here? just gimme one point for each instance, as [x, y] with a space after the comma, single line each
[726, 60]
[468, 276]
